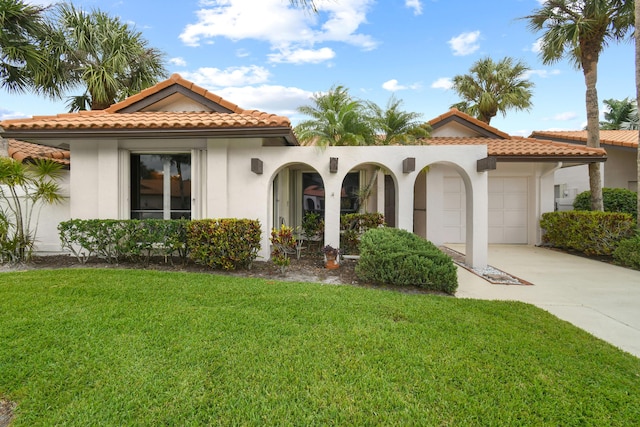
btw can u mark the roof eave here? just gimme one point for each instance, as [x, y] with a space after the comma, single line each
[571, 159]
[275, 131]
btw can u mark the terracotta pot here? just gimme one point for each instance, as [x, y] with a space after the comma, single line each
[331, 264]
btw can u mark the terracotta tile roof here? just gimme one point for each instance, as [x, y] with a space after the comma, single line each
[176, 79]
[147, 120]
[111, 119]
[518, 147]
[26, 151]
[620, 138]
[455, 113]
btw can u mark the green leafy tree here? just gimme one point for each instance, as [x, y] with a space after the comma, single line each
[579, 30]
[304, 4]
[26, 60]
[24, 190]
[619, 114]
[109, 58]
[493, 87]
[395, 126]
[336, 119]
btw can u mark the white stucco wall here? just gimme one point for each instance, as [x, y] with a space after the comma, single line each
[99, 182]
[620, 169]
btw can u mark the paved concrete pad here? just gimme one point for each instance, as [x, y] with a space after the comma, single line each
[600, 298]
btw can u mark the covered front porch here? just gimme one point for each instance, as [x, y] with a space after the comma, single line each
[401, 190]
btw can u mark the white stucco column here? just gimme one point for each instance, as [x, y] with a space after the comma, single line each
[332, 191]
[477, 221]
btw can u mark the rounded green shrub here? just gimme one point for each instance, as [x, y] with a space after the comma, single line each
[613, 199]
[396, 257]
[628, 252]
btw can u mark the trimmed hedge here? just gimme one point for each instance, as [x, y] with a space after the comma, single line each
[114, 240]
[592, 233]
[613, 199]
[628, 252]
[227, 243]
[397, 257]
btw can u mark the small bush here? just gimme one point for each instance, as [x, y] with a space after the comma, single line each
[592, 233]
[227, 243]
[353, 226]
[283, 243]
[613, 199]
[628, 252]
[397, 257]
[113, 240]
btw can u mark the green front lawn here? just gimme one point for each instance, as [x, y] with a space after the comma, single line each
[126, 347]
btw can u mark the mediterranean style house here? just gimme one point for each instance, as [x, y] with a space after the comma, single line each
[176, 150]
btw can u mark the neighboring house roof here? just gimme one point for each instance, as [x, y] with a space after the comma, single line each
[150, 113]
[455, 115]
[27, 152]
[526, 149]
[506, 147]
[619, 138]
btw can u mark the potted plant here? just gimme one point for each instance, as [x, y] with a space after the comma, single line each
[331, 257]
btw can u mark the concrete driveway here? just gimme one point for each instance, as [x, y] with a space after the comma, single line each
[600, 298]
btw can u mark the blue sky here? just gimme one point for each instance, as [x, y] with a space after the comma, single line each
[263, 54]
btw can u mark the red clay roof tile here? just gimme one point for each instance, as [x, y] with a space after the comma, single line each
[25, 151]
[620, 138]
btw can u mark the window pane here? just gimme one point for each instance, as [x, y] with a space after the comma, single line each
[151, 175]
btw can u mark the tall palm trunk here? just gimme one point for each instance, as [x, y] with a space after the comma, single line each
[590, 69]
[637, 37]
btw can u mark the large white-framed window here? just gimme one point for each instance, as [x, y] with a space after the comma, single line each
[161, 185]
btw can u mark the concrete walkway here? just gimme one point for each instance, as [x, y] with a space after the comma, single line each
[600, 298]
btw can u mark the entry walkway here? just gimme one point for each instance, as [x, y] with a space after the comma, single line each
[600, 298]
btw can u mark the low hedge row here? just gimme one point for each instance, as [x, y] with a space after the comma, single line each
[218, 243]
[628, 252]
[224, 243]
[589, 232]
[397, 257]
[613, 200]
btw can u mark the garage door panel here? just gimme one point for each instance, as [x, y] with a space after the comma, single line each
[514, 219]
[515, 201]
[515, 185]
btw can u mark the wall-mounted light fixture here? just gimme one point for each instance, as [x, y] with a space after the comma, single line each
[409, 165]
[333, 164]
[256, 166]
[486, 164]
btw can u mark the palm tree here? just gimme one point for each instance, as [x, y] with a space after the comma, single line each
[336, 119]
[109, 58]
[394, 126]
[304, 4]
[619, 114]
[580, 30]
[493, 87]
[26, 62]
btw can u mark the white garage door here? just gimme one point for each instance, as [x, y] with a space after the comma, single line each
[508, 210]
[508, 206]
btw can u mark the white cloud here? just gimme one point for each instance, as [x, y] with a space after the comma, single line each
[416, 5]
[178, 61]
[8, 114]
[233, 76]
[279, 24]
[300, 56]
[274, 99]
[465, 43]
[566, 116]
[540, 73]
[442, 83]
[242, 53]
[393, 86]
[536, 47]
